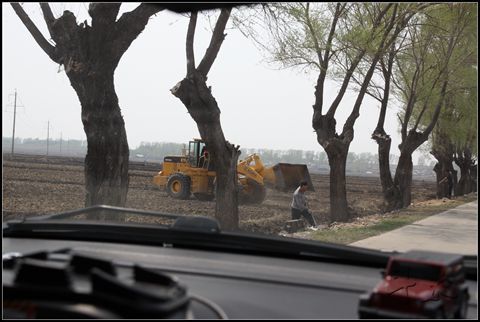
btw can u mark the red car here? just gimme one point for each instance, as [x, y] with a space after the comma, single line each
[419, 284]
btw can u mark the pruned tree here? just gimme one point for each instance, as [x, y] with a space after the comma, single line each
[455, 136]
[419, 65]
[203, 108]
[427, 79]
[382, 94]
[333, 39]
[90, 55]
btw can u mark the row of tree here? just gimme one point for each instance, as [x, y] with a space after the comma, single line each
[411, 53]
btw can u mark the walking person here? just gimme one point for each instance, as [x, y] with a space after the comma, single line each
[299, 205]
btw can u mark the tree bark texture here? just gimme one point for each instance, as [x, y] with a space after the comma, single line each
[337, 152]
[391, 193]
[106, 162]
[337, 160]
[443, 152]
[403, 181]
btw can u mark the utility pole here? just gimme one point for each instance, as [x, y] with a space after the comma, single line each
[14, 115]
[48, 135]
[60, 143]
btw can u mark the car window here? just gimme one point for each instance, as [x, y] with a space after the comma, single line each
[112, 104]
[415, 270]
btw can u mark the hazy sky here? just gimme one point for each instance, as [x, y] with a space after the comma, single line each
[261, 107]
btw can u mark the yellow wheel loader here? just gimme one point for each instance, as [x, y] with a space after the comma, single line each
[194, 172]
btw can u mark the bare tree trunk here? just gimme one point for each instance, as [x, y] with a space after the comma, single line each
[203, 108]
[226, 193]
[391, 193]
[442, 181]
[337, 158]
[336, 149]
[403, 180]
[466, 182]
[443, 152]
[106, 162]
[473, 177]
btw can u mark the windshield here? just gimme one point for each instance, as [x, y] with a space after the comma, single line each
[415, 270]
[210, 114]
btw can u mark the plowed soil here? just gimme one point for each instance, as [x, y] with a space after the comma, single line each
[33, 185]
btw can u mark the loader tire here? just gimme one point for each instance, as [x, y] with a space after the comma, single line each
[178, 186]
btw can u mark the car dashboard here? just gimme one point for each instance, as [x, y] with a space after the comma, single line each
[204, 284]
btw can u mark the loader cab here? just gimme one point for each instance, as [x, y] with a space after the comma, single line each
[196, 154]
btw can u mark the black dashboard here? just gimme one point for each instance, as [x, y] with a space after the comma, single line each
[222, 284]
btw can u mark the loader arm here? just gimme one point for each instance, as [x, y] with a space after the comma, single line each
[251, 172]
[281, 176]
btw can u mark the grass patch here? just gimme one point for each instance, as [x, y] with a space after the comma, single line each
[347, 235]
[351, 232]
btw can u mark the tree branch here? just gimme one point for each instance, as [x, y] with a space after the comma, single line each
[48, 16]
[215, 43]
[338, 11]
[451, 45]
[293, 60]
[412, 99]
[376, 88]
[396, 83]
[387, 74]
[132, 23]
[190, 37]
[336, 103]
[426, 99]
[346, 80]
[356, 108]
[318, 106]
[436, 114]
[50, 50]
[313, 34]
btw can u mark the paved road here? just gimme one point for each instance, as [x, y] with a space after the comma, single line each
[452, 231]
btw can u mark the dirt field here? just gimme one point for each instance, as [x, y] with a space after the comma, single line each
[33, 186]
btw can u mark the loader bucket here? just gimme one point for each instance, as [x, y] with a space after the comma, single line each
[288, 176]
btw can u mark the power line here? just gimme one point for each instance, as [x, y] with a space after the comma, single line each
[27, 120]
